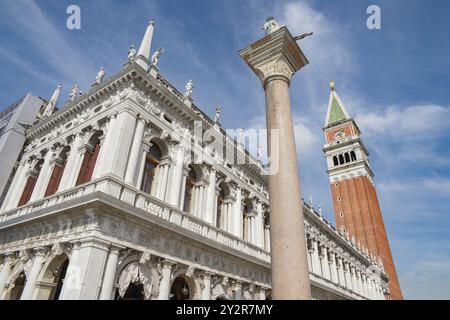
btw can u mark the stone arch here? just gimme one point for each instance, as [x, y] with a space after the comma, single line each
[51, 277]
[138, 272]
[162, 145]
[191, 283]
[16, 280]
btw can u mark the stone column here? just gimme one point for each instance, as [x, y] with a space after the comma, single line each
[353, 279]
[107, 290]
[262, 294]
[325, 264]
[166, 275]
[71, 162]
[348, 281]
[44, 176]
[103, 156]
[206, 292]
[275, 59]
[87, 271]
[30, 284]
[259, 225]
[8, 260]
[177, 178]
[72, 279]
[267, 237]
[211, 197]
[133, 161]
[315, 258]
[237, 216]
[119, 145]
[333, 268]
[238, 290]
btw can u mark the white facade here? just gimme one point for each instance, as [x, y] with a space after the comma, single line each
[198, 230]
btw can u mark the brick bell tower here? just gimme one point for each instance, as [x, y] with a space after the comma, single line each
[355, 200]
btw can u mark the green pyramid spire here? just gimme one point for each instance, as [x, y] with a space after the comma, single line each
[336, 110]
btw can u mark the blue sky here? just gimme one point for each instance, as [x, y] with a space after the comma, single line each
[394, 82]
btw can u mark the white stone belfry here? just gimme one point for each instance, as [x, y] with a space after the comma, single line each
[53, 101]
[143, 55]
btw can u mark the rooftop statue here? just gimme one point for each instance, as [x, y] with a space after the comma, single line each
[189, 87]
[74, 92]
[131, 53]
[217, 116]
[160, 51]
[100, 76]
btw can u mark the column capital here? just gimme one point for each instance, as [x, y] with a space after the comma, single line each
[40, 251]
[167, 264]
[276, 56]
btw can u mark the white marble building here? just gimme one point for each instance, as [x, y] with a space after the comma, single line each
[117, 197]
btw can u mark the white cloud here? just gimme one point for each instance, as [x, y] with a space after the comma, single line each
[407, 123]
[438, 185]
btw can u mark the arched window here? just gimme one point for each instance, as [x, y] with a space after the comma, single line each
[188, 191]
[89, 160]
[341, 159]
[58, 170]
[31, 182]
[353, 155]
[335, 161]
[347, 157]
[152, 160]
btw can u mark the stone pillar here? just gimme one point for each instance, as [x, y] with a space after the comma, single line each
[237, 215]
[78, 155]
[259, 225]
[119, 145]
[8, 260]
[211, 198]
[166, 275]
[333, 268]
[267, 237]
[177, 193]
[70, 163]
[275, 59]
[238, 290]
[133, 161]
[340, 266]
[348, 281]
[32, 277]
[206, 292]
[325, 264]
[104, 153]
[262, 294]
[43, 178]
[107, 291]
[315, 258]
[353, 279]
[72, 279]
[86, 271]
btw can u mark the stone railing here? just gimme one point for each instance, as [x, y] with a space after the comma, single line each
[145, 202]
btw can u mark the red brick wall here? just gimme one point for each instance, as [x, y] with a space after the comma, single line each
[363, 219]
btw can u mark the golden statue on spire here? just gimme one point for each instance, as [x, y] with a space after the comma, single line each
[332, 85]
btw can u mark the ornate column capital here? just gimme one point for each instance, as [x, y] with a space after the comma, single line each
[277, 55]
[40, 251]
